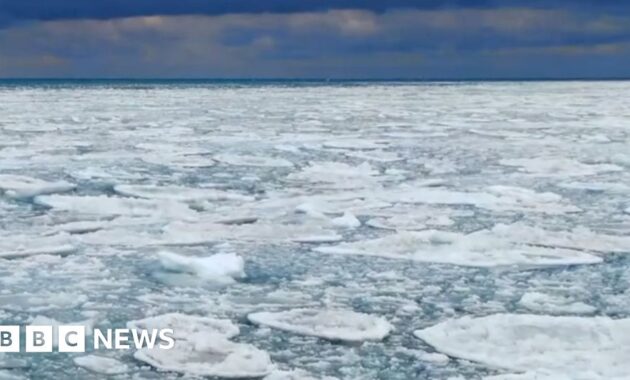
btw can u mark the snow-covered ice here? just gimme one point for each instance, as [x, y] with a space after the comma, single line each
[221, 267]
[202, 348]
[18, 186]
[577, 347]
[101, 364]
[479, 249]
[343, 325]
[349, 212]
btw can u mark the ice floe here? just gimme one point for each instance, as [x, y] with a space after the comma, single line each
[593, 348]
[18, 186]
[15, 246]
[202, 348]
[558, 166]
[580, 238]
[612, 187]
[178, 193]
[337, 175]
[182, 233]
[113, 206]
[347, 220]
[478, 249]
[336, 325]
[554, 304]
[261, 161]
[495, 198]
[188, 326]
[101, 364]
[221, 267]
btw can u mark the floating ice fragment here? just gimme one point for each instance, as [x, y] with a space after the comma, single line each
[558, 166]
[104, 205]
[222, 267]
[594, 348]
[580, 238]
[240, 160]
[215, 357]
[337, 174]
[178, 193]
[296, 374]
[16, 246]
[550, 304]
[201, 348]
[101, 364]
[336, 325]
[479, 249]
[188, 327]
[17, 186]
[597, 186]
[346, 221]
[354, 144]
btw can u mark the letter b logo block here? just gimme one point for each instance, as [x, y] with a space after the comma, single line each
[9, 338]
[39, 338]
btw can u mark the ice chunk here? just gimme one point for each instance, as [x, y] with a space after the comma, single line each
[496, 198]
[222, 267]
[554, 304]
[101, 364]
[40, 302]
[354, 144]
[178, 193]
[346, 221]
[479, 249]
[316, 239]
[179, 233]
[576, 347]
[336, 325]
[7, 375]
[82, 227]
[376, 156]
[241, 160]
[213, 357]
[580, 238]
[17, 186]
[188, 327]
[597, 186]
[296, 374]
[104, 205]
[201, 348]
[558, 166]
[337, 174]
[16, 246]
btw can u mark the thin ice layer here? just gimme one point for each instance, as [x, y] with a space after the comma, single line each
[344, 325]
[581, 348]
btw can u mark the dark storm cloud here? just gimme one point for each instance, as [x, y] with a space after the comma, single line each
[46, 10]
[307, 38]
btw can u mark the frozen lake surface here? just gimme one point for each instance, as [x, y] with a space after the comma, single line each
[386, 231]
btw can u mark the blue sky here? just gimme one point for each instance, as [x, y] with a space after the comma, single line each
[315, 39]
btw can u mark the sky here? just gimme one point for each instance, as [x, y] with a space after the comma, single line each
[386, 39]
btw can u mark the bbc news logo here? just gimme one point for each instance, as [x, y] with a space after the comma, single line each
[73, 339]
